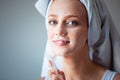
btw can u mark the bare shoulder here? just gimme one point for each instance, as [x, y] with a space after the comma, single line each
[42, 78]
[117, 77]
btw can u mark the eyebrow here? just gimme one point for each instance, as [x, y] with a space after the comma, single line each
[52, 15]
[68, 16]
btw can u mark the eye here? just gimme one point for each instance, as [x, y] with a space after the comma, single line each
[72, 23]
[52, 22]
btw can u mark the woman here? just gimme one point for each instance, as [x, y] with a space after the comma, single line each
[75, 30]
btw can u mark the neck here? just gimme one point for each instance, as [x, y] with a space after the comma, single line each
[77, 67]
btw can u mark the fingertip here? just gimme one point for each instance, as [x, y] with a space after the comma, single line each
[50, 64]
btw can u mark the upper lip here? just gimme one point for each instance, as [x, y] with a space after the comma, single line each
[60, 40]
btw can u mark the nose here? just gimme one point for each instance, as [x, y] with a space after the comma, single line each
[60, 31]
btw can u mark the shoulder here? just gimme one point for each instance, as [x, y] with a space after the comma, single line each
[117, 77]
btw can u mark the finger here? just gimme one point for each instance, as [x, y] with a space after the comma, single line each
[56, 77]
[51, 67]
[62, 72]
[51, 72]
[59, 75]
[50, 64]
[62, 77]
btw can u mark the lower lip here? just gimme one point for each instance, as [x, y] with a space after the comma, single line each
[61, 43]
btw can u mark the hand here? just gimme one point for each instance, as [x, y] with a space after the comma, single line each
[55, 74]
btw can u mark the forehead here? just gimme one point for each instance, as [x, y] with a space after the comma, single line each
[67, 7]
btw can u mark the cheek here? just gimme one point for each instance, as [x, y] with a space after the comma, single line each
[49, 34]
[80, 36]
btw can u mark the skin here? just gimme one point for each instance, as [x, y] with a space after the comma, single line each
[117, 77]
[68, 23]
[70, 19]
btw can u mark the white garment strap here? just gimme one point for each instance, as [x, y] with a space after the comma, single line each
[109, 75]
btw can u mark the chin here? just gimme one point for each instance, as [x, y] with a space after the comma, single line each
[61, 53]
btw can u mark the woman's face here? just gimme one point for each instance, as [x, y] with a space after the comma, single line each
[67, 27]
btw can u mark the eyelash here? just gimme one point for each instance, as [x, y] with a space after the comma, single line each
[51, 22]
[72, 23]
[67, 23]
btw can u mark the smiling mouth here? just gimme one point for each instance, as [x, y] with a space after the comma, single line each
[61, 42]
